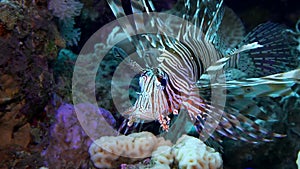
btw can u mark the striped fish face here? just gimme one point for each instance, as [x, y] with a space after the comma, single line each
[168, 82]
[151, 99]
[152, 103]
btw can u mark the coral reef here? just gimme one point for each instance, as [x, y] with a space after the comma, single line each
[28, 43]
[162, 157]
[63, 69]
[70, 34]
[188, 152]
[68, 143]
[105, 71]
[34, 71]
[66, 11]
[191, 152]
[14, 130]
[24, 67]
[18, 157]
[111, 152]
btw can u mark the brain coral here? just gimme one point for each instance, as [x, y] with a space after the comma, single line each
[191, 152]
[187, 153]
[111, 152]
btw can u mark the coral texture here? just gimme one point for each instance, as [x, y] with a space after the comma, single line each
[27, 46]
[191, 152]
[111, 152]
[68, 142]
[14, 129]
[187, 153]
[65, 9]
[27, 40]
[162, 157]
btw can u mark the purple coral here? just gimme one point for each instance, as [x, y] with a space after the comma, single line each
[64, 9]
[68, 144]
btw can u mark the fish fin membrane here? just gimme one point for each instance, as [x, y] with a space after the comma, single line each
[275, 55]
[251, 100]
[132, 25]
[233, 125]
[243, 95]
[231, 32]
[276, 85]
[237, 126]
[205, 15]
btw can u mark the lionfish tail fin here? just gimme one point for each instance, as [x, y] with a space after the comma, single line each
[266, 50]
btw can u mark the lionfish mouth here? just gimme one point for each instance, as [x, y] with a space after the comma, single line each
[205, 39]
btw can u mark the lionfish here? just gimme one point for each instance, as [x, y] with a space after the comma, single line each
[172, 81]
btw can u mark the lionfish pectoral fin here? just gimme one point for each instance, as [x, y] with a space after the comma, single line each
[255, 131]
[238, 127]
[220, 65]
[242, 105]
[243, 95]
[269, 51]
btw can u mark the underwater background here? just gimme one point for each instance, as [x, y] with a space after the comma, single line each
[40, 128]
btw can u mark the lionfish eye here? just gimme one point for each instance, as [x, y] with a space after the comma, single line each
[162, 81]
[144, 73]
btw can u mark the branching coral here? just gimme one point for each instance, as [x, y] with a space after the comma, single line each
[66, 11]
[70, 34]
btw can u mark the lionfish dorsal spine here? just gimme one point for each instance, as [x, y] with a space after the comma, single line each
[204, 19]
[215, 22]
[128, 28]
